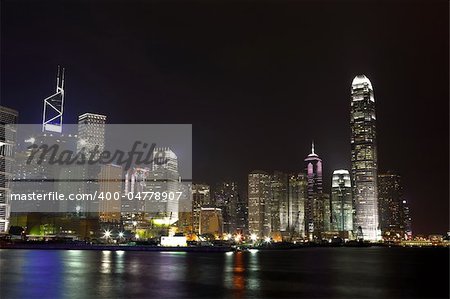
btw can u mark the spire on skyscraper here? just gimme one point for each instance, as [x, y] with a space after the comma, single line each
[54, 106]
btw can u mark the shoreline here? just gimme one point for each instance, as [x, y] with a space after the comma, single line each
[98, 247]
[114, 247]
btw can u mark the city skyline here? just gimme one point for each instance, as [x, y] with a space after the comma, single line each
[406, 127]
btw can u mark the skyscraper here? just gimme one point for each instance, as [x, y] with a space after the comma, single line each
[364, 159]
[259, 203]
[91, 137]
[54, 107]
[326, 199]
[211, 221]
[314, 208]
[163, 177]
[110, 182]
[242, 214]
[393, 210]
[341, 201]
[201, 198]
[279, 203]
[226, 198]
[297, 196]
[8, 120]
[91, 132]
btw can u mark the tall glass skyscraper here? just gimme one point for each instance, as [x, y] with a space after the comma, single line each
[8, 120]
[314, 208]
[259, 183]
[341, 201]
[91, 132]
[297, 194]
[226, 197]
[364, 159]
[201, 198]
[395, 221]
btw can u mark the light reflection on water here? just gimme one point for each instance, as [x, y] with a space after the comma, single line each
[309, 272]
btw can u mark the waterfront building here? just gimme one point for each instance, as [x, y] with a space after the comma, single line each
[314, 208]
[259, 203]
[364, 159]
[226, 198]
[91, 132]
[8, 130]
[279, 204]
[393, 209]
[211, 221]
[341, 201]
[163, 178]
[297, 196]
[110, 186]
[201, 197]
[242, 215]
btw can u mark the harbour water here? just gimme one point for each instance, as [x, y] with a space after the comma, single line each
[305, 273]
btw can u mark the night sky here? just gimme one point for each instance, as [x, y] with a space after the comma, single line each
[258, 80]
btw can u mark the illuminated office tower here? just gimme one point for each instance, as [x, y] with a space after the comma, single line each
[407, 220]
[287, 205]
[8, 121]
[314, 208]
[226, 198]
[163, 177]
[259, 203]
[242, 215]
[279, 203]
[110, 185]
[297, 196]
[211, 221]
[393, 209]
[52, 116]
[341, 201]
[201, 198]
[133, 211]
[364, 159]
[91, 132]
[326, 199]
[91, 137]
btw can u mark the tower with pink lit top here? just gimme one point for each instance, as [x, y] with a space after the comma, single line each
[314, 207]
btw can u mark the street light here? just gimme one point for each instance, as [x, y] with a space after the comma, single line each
[107, 234]
[254, 237]
[267, 239]
[237, 238]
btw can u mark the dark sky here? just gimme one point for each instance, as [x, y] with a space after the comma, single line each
[258, 80]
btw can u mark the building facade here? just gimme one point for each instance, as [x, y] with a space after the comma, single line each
[201, 198]
[8, 130]
[259, 197]
[279, 204]
[364, 159]
[91, 132]
[297, 196]
[163, 178]
[341, 201]
[211, 222]
[110, 184]
[314, 208]
[395, 221]
[226, 198]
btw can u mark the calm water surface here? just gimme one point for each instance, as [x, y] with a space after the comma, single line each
[305, 273]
